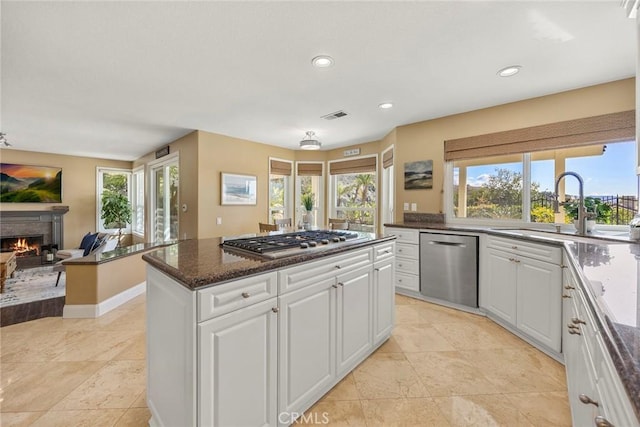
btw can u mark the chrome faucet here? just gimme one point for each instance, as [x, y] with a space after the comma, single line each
[582, 211]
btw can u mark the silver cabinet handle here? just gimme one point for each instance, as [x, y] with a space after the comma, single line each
[587, 400]
[569, 287]
[340, 284]
[601, 421]
[399, 250]
[399, 280]
[577, 321]
[376, 269]
[574, 331]
[275, 309]
[400, 265]
[512, 259]
[566, 296]
[338, 267]
[514, 247]
[334, 286]
[517, 260]
[245, 295]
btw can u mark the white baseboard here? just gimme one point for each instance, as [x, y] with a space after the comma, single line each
[80, 311]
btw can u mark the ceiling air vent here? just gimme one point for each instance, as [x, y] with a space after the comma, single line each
[335, 115]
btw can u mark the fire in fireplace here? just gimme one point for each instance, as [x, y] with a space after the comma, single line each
[23, 246]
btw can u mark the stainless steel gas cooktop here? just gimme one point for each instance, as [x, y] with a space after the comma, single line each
[288, 244]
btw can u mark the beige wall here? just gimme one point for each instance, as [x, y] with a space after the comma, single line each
[78, 189]
[425, 140]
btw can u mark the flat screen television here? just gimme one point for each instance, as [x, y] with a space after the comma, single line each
[30, 184]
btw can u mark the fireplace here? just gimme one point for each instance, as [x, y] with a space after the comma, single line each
[29, 233]
[27, 249]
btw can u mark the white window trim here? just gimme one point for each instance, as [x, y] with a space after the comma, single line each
[161, 162]
[320, 204]
[391, 185]
[135, 201]
[100, 170]
[288, 197]
[331, 211]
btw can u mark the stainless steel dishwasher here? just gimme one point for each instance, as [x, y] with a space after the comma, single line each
[449, 268]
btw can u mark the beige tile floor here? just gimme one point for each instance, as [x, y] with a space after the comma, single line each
[441, 367]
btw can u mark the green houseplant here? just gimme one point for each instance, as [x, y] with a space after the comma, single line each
[116, 211]
[307, 202]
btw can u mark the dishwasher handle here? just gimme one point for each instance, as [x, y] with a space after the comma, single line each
[436, 242]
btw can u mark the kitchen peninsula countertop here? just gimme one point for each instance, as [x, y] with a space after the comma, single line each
[610, 273]
[201, 263]
[121, 252]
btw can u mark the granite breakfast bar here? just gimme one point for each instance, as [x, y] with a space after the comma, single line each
[237, 339]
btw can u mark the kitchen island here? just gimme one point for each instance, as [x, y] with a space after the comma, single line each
[240, 339]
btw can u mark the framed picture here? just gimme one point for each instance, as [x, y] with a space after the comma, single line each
[238, 189]
[418, 175]
[30, 184]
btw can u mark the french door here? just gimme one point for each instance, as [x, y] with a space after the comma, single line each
[165, 202]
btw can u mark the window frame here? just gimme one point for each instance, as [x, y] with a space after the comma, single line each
[319, 205]
[100, 171]
[287, 209]
[137, 202]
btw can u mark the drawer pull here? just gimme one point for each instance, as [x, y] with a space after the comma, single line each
[569, 287]
[399, 280]
[514, 247]
[337, 267]
[517, 260]
[566, 296]
[601, 421]
[334, 286]
[587, 400]
[400, 265]
[399, 250]
[245, 295]
[275, 309]
[574, 331]
[512, 259]
[577, 321]
[340, 284]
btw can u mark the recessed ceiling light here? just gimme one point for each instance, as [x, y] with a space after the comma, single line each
[385, 105]
[509, 71]
[322, 61]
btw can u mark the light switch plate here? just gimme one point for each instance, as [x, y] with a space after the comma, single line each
[406, 206]
[414, 207]
[219, 220]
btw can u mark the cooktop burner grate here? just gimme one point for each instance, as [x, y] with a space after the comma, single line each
[283, 242]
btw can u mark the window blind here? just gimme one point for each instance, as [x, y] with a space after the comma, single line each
[366, 164]
[280, 168]
[387, 159]
[607, 128]
[309, 169]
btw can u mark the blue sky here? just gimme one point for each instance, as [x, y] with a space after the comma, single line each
[609, 174]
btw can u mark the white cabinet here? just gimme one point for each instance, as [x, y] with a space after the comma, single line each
[407, 265]
[521, 286]
[237, 365]
[593, 384]
[307, 345]
[354, 318]
[383, 300]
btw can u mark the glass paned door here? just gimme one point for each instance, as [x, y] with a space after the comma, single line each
[165, 204]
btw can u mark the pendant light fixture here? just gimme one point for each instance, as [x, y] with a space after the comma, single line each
[309, 142]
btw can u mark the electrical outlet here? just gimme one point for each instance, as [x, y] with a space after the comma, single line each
[414, 207]
[219, 220]
[406, 206]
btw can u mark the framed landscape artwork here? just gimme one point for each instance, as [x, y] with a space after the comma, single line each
[30, 184]
[238, 189]
[418, 175]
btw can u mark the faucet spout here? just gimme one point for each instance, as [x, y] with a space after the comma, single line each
[582, 212]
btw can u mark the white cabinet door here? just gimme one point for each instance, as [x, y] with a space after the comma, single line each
[238, 368]
[383, 300]
[499, 285]
[539, 305]
[306, 333]
[355, 320]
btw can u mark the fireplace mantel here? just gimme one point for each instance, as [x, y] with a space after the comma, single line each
[47, 222]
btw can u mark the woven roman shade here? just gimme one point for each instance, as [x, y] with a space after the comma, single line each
[387, 159]
[309, 169]
[280, 168]
[608, 128]
[366, 164]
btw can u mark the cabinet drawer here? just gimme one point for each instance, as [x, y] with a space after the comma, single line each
[406, 265]
[407, 281]
[383, 251]
[537, 251]
[406, 250]
[222, 299]
[404, 235]
[307, 273]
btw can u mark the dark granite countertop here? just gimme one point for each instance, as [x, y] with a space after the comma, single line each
[202, 263]
[609, 270]
[124, 251]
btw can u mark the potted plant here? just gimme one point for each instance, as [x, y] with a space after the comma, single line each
[307, 202]
[116, 211]
[597, 211]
